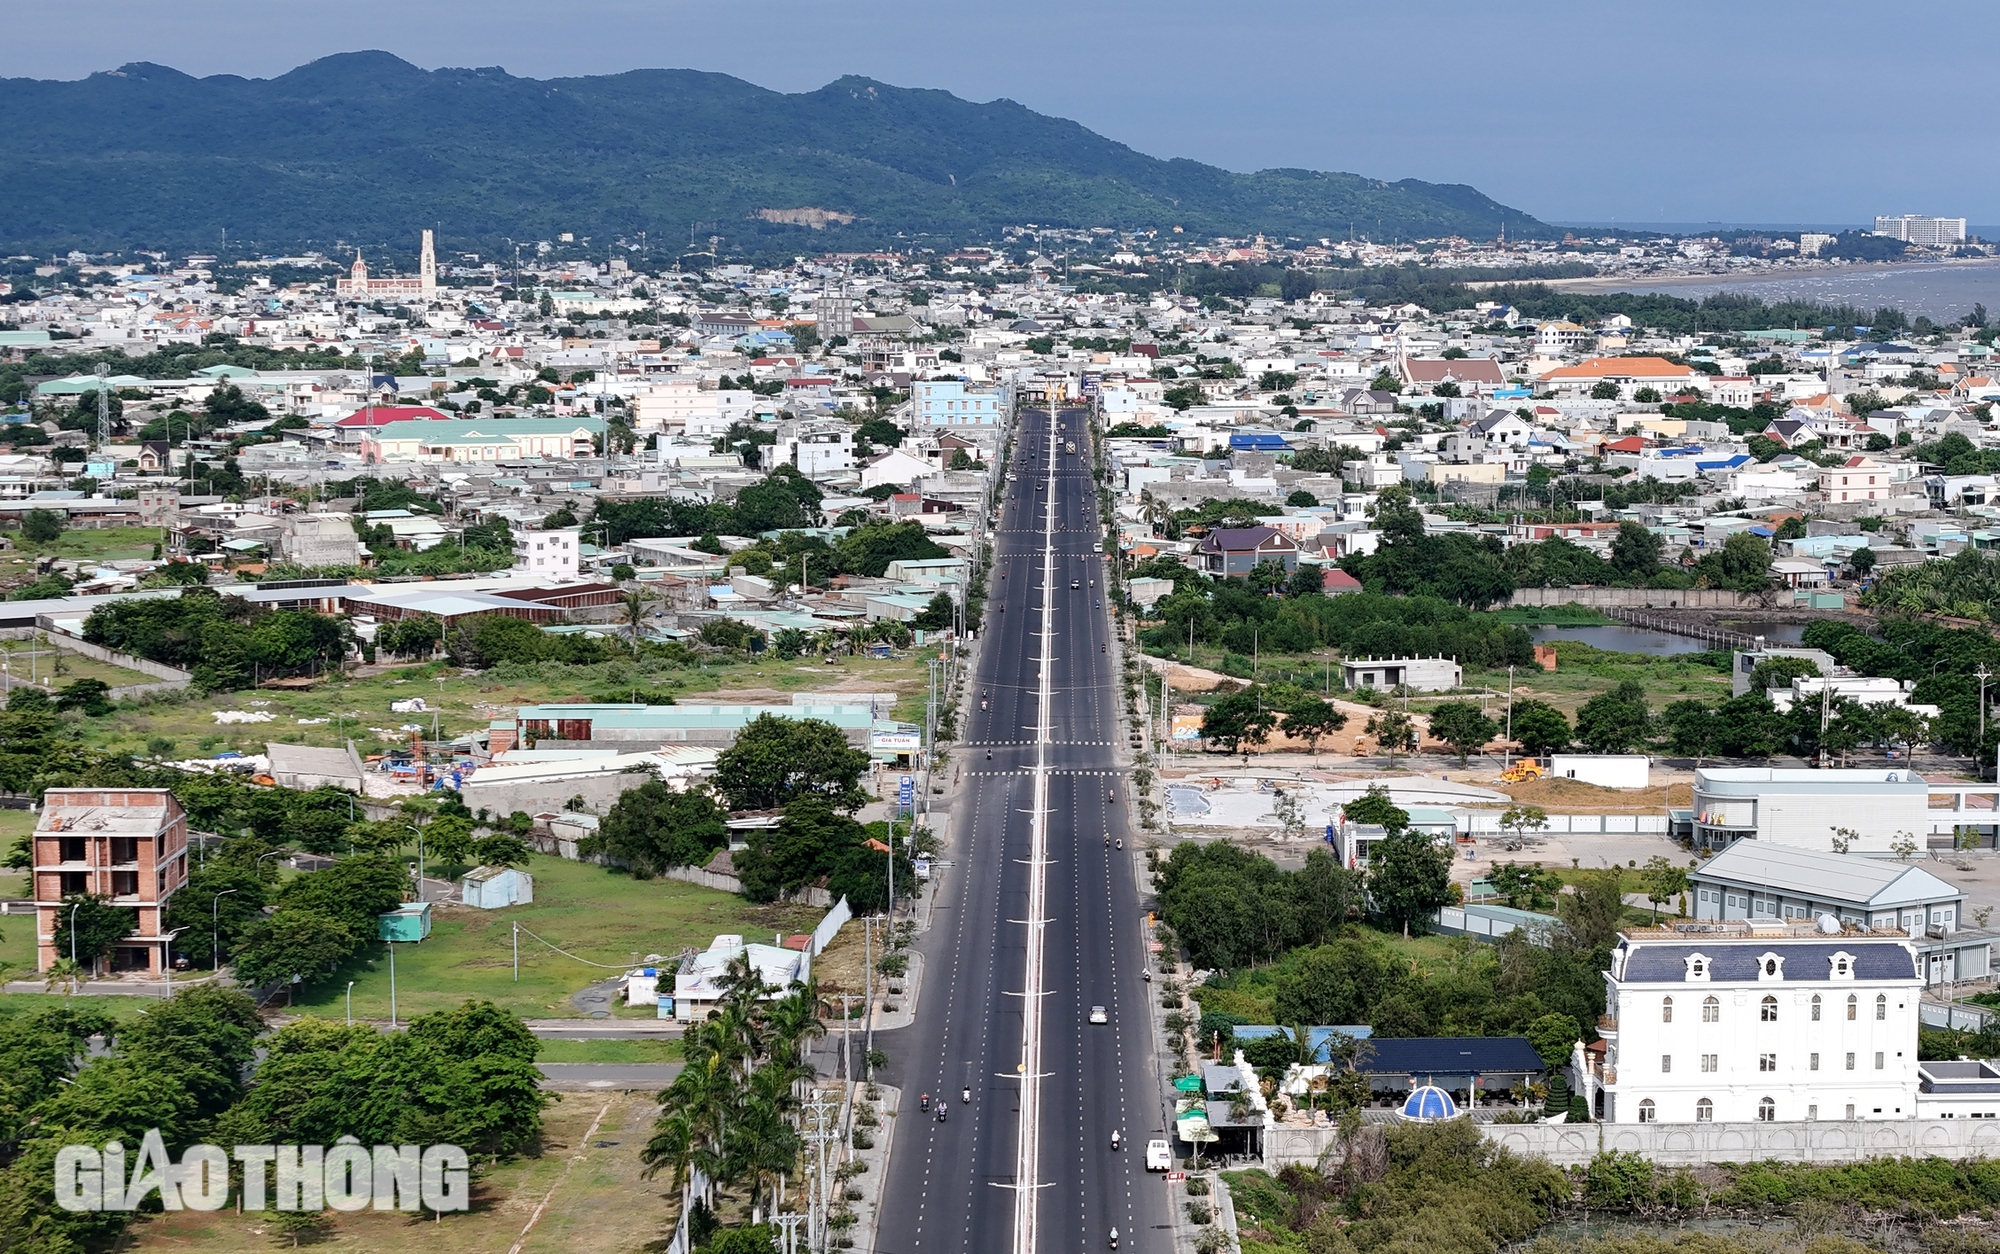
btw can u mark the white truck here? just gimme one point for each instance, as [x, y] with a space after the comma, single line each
[1159, 1157]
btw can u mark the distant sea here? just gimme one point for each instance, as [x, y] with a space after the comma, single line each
[1942, 291]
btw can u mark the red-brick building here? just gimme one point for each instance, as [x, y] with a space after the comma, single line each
[128, 844]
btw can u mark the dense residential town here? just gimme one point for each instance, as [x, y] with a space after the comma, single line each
[709, 563]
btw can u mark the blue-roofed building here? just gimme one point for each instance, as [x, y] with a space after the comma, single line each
[1258, 442]
[1757, 1021]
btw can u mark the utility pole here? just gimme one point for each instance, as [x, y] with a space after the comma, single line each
[868, 989]
[103, 406]
[1506, 750]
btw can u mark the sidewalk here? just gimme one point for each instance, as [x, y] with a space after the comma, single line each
[868, 1210]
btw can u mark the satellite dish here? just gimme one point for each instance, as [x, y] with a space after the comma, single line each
[1828, 925]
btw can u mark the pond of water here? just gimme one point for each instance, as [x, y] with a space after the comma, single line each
[1621, 638]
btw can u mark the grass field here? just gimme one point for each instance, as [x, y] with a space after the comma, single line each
[598, 916]
[661, 1050]
[55, 667]
[108, 544]
[339, 708]
[589, 1174]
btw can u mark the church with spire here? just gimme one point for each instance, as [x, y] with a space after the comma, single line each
[359, 287]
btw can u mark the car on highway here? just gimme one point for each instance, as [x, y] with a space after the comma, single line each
[1074, 585]
[1097, 1015]
[1158, 1156]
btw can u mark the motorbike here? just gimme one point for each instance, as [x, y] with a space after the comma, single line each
[1114, 1238]
[989, 755]
[1111, 795]
[924, 1102]
[1114, 1140]
[965, 1096]
[1146, 976]
[1119, 844]
[943, 1110]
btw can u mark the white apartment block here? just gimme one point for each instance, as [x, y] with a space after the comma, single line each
[684, 407]
[549, 555]
[1922, 230]
[1758, 1022]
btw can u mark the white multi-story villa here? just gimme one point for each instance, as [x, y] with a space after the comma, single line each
[1758, 1021]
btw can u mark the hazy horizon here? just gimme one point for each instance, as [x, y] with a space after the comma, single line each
[1695, 112]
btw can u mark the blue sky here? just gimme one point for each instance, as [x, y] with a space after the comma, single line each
[1768, 111]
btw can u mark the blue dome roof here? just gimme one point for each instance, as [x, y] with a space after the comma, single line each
[1428, 1105]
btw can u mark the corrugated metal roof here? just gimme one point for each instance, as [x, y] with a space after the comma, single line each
[1836, 877]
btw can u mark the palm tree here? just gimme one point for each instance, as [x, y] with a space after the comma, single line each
[64, 972]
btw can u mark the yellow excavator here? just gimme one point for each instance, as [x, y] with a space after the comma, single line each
[1521, 772]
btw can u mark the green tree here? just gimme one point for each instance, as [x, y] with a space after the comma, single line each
[1463, 726]
[1238, 722]
[777, 760]
[1302, 499]
[1526, 886]
[1310, 718]
[292, 942]
[1554, 1038]
[1392, 730]
[1615, 721]
[1861, 562]
[1605, 391]
[1779, 672]
[353, 890]
[1375, 808]
[89, 927]
[43, 526]
[1539, 727]
[1635, 551]
[1743, 564]
[653, 827]
[1592, 912]
[500, 849]
[1520, 819]
[1409, 878]
[937, 615]
[1664, 881]
[1694, 730]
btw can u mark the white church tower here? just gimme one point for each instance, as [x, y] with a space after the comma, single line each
[427, 267]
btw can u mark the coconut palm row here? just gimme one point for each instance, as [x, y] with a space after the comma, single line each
[733, 1112]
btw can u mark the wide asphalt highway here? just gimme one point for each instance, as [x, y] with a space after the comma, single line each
[953, 1186]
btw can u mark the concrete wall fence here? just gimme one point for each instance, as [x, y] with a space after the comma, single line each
[1693, 1144]
[1487, 823]
[1638, 598]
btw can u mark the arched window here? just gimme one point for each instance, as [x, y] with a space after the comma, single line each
[1770, 966]
[1851, 1002]
[1647, 1111]
[1704, 1111]
[1767, 1111]
[1667, 1010]
[1881, 1005]
[1768, 1012]
[1711, 1010]
[1815, 1008]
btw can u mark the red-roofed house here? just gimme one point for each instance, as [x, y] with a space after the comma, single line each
[1627, 374]
[1474, 376]
[349, 432]
[1336, 582]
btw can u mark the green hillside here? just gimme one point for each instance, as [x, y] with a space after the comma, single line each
[364, 146]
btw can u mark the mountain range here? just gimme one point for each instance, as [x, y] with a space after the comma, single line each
[366, 147]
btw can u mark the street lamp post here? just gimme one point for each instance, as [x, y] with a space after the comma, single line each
[72, 932]
[214, 930]
[392, 985]
[350, 1003]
